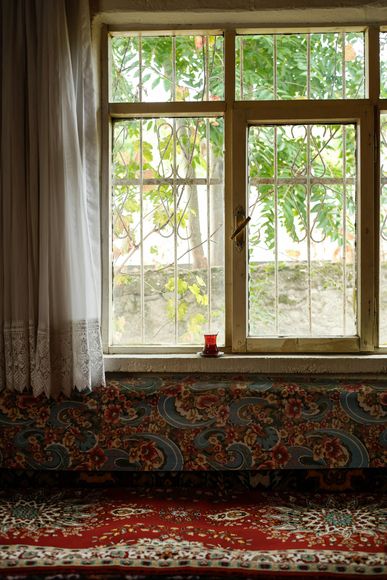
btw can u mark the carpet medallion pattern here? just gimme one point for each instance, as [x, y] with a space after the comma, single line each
[157, 531]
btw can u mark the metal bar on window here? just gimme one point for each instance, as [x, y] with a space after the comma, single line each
[208, 191]
[168, 181]
[308, 66]
[140, 67]
[344, 229]
[308, 236]
[382, 216]
[241, 49]
[276, 230]
[142, 287]
[175, 258]
[275, 66]
[343, 66]
[300, 180]
[173, 95]
[206, 69]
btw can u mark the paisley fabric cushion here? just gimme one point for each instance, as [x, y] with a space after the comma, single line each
[199, 422]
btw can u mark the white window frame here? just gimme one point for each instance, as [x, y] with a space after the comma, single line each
[238, 115]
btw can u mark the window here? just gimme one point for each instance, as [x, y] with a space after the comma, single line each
[167, 226]
[240, 190]
[302, 178]
[383, 192]
[167, 202]
[383, 65]
[383, 229]
[318, 65]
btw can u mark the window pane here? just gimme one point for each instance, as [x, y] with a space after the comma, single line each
[167, 235]
[254, 71]
[302, 250]
[166, 68]
[328, 65]
[354, 65]
[383, 65]
[383, 232]
[291, 67]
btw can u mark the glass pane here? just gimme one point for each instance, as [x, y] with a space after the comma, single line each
[156, 70]
[383, 65]
[328, 65]
[166, 68]
[302, 251]
[291, 66]
[383, 232]
[167, 235]
[354, 65]
[125, 69]
[254, 67]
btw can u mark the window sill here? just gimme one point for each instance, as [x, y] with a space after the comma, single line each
[375, 364]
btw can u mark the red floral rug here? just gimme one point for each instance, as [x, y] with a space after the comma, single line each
[134, 533]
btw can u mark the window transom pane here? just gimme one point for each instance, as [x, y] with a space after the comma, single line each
[166, 68]
[383, 65]
[323, 65]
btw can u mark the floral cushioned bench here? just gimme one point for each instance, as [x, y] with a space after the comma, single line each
[251, 477]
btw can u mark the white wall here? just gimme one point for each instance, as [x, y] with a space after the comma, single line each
[241, 12]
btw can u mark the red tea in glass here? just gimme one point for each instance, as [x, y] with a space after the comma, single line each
[210, 346]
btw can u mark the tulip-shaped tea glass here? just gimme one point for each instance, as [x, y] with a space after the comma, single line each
[210, 347]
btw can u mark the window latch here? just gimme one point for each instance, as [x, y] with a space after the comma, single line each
[240, 222]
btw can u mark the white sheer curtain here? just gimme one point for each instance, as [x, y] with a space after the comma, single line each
[49, 200]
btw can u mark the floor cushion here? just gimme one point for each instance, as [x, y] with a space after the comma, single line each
[120, 532]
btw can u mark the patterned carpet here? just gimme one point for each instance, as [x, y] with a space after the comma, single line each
[114, 532]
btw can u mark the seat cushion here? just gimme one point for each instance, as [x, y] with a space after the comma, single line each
[142, 532]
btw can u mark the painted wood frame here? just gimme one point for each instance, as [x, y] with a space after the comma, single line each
[238, 115]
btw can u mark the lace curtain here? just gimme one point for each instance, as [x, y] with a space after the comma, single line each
[49, 200]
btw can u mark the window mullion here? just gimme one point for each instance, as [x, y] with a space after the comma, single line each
[368, 234]
[235, 197]
[229, 57]
[238, 253]
[176, 109]
[303, 110]
[373, 85]
[380, 212]
[372, 64]
[229, 66]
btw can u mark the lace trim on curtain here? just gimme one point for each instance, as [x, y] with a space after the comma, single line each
[51, 361]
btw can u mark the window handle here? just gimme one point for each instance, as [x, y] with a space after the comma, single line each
[241, 222]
